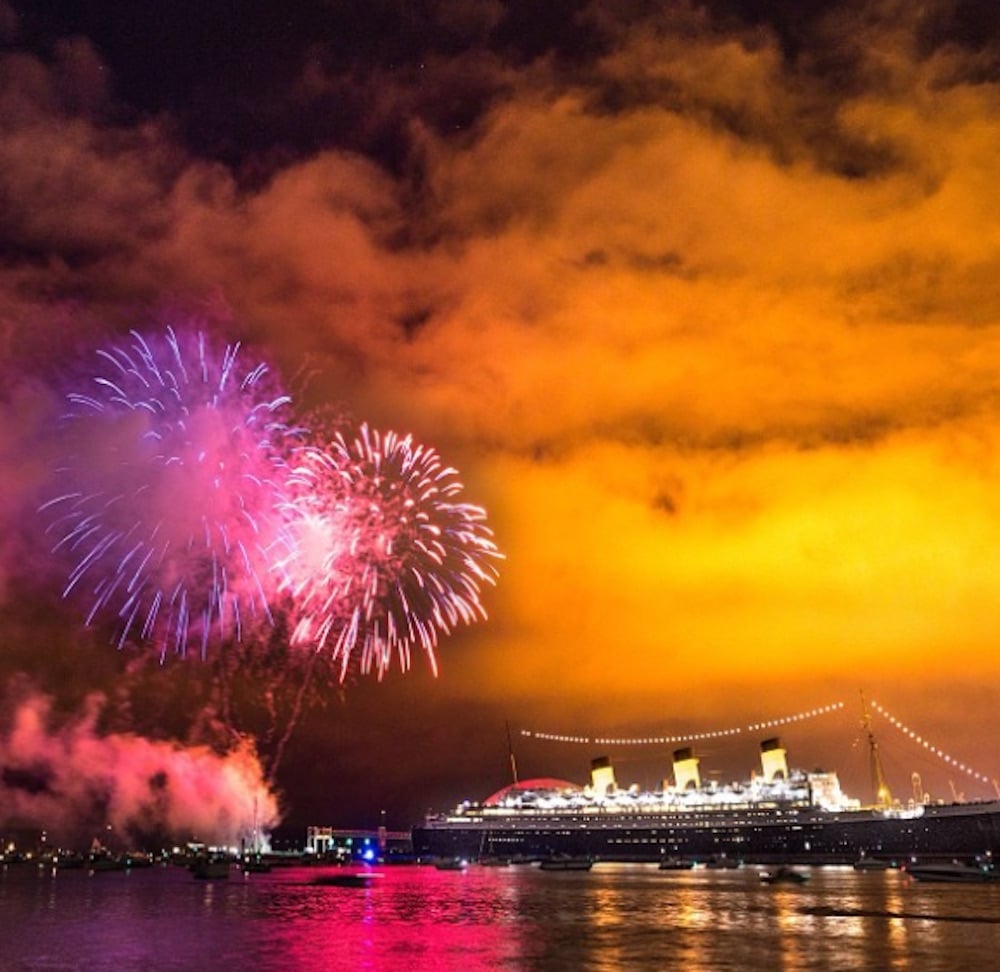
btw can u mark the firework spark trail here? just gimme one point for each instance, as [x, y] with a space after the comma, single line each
[174, 486]
[386, 558]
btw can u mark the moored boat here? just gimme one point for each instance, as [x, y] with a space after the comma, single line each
[211, 867]
[783, 875]
[954, 872]
[566, 862]
[255, 864]
[103, 860]
[352, 879]
[778, 816]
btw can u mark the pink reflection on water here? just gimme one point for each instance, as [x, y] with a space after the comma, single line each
[404, 918]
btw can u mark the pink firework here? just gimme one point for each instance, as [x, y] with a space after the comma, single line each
[171, 490]
[386, 557]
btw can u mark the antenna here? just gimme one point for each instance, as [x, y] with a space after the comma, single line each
[883, 798]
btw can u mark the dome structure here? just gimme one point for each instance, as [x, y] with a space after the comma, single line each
[530, 786]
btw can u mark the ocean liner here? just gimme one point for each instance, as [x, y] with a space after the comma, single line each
[777, 816]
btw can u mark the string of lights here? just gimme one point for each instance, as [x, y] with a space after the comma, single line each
[930, 747]
[684, 737]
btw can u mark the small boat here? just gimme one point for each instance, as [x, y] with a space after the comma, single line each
[953, 872]
[871, 864]
[451, 864]
[491, 861]
[101, 859]
[676, 864]
[566, 862]
[104, 862]
[355, 879]
[211, 868]
[255, 865]
[783, 875]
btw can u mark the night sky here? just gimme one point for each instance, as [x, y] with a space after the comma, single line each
[699, 300]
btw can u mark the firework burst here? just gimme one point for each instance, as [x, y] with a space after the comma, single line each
[386, 557]
[171, 490]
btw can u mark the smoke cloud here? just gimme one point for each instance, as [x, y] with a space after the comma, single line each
[79, 784]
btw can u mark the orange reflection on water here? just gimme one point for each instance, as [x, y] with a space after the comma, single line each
[794, 926]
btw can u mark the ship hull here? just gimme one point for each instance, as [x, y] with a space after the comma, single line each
[803, 836]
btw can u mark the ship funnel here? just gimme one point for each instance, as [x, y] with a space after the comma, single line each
[602, 776]
[773, 760]
[686, 775]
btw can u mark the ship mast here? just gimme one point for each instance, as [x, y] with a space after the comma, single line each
[510, 751]
[883, 798]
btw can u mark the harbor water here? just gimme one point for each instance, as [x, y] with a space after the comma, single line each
[408, 919]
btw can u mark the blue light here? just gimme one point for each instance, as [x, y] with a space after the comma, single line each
[368, 855]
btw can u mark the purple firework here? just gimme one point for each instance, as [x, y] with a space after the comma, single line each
[386, 557]
[171, 491]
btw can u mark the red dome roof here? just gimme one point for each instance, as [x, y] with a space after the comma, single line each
[539, 783]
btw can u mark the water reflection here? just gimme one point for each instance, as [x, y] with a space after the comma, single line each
[411, 919]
